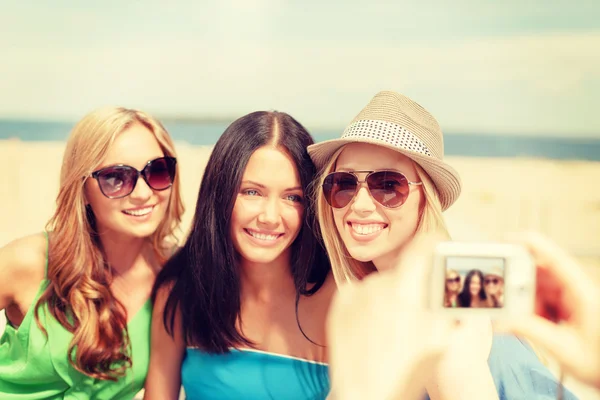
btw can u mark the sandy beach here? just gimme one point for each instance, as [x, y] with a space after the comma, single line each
[558, 198]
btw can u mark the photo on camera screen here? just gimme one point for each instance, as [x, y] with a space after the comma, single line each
[474, 282]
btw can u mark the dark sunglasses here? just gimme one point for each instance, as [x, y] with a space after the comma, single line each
[453, 280]
[119, 181]
[388, 188]
[495, 281]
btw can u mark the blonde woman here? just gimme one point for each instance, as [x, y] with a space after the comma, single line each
[76, 297]
[451, 288]
[493, 283]
[382, 184]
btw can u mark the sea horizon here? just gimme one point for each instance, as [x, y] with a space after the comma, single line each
[206, 131]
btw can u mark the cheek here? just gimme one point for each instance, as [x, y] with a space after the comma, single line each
[101, 205]
[294, 217]
[338, 219]
[403, 222]
[412, 210]
[107, 214]
[165, 195]
[236, 214]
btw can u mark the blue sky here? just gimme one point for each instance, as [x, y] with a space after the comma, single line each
[479, 66]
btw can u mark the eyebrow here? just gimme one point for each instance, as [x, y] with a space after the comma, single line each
[260, 185]
[379, 169]
[121, 164]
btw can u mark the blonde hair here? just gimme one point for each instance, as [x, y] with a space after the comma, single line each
[347, 269]
[450, 272]
[446, 297]
[78, 294]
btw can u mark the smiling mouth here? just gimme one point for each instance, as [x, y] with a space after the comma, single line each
[267, 237]
[139, 212]
[366, 229]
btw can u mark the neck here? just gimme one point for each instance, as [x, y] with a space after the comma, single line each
[267, 282]
[388, 261]
[392, 259]
[121, 253]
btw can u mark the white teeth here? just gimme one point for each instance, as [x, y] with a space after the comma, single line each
[263, 236]
[139, 212]
[364, 229]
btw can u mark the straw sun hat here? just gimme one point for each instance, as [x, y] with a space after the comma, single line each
[396, 122]
[495, 271]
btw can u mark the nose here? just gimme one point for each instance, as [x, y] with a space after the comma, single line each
[270, 213]
[363, 202]
[142, 192]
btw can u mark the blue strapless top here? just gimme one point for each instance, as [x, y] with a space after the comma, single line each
[251, 374]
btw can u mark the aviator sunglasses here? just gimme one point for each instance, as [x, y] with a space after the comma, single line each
[495, 281]
[388, 188]
[119, 181]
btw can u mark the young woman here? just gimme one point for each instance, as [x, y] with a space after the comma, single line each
[493, 284]
[384, 183]
[451, 288]
[472, 294]
[77, 297]
[240, 309]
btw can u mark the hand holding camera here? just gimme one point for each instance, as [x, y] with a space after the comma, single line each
[387, 344]
[567, 311]
[392, 326]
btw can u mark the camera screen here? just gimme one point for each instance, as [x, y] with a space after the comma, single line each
[474, 282]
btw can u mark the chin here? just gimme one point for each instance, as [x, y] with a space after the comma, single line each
[142, 232]
[362, 254]
[260, 257]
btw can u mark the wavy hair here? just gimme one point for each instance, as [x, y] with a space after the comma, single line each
[449, 272]
[344, 267]
[78, 294]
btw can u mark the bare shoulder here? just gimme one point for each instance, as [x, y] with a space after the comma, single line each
[24, 257]
[159, 318]
[22, 264]
[162, 295]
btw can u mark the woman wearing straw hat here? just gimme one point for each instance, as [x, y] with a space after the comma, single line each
[384, 183]
[493, 284]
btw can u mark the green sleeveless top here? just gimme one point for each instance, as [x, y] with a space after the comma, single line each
[33, 366]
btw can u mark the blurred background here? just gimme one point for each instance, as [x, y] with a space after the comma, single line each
[514, 85]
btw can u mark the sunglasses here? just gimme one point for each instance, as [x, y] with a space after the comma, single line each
[453, 280]
[119, 181]
[495, 281]
[388, 188]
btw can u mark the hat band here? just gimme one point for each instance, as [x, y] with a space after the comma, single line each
[386, 132]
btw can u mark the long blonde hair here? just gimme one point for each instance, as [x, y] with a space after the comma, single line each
[344, 267]
[78, 294]
[449, 272]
